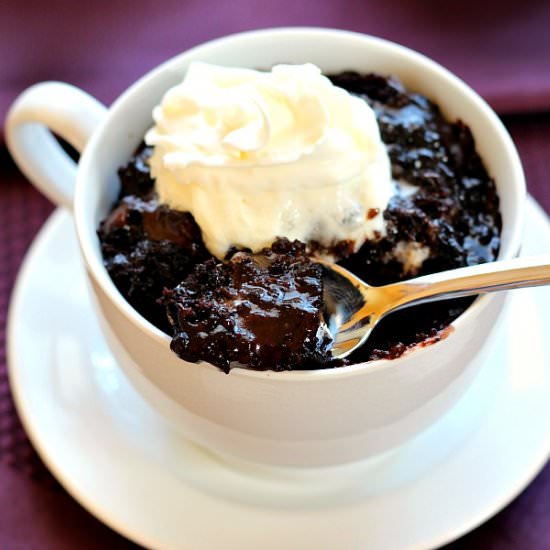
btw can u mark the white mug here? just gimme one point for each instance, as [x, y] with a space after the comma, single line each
[297, 418]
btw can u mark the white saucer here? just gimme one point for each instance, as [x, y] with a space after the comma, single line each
[128, 468]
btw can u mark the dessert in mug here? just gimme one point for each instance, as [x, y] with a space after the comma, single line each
[246, 176]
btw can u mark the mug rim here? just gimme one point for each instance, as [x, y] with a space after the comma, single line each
[92, 255]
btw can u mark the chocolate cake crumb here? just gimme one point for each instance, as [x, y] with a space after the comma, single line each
[147, 246]
[259, 310]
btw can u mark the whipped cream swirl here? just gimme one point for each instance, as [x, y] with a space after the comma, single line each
[259, 155]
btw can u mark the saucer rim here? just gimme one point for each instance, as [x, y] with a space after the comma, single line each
[57, 218]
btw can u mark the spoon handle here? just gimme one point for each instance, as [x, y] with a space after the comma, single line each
[478, 279]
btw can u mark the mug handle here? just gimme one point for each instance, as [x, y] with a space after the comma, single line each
[40, 110]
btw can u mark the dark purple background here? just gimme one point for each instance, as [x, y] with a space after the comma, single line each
[502, 49]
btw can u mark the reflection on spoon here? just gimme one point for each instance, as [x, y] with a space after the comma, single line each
[353, 308]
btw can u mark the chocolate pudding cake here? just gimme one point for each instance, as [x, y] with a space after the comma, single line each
[263, 309]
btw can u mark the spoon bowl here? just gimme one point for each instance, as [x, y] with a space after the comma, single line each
[353, 308]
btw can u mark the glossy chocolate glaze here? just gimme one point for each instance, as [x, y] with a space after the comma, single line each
[263, 311]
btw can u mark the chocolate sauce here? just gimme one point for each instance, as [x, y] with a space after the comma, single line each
[262, 311]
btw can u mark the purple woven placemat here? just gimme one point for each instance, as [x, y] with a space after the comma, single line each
[35, 512]
[501, 48]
